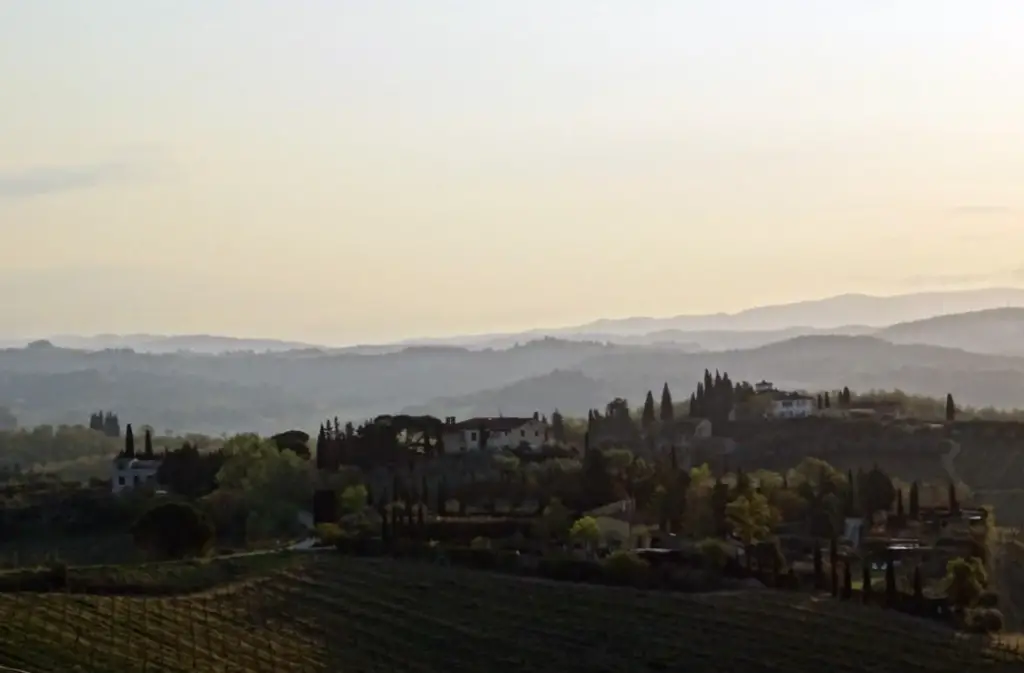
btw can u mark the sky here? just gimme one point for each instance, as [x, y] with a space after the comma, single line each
[346, 171]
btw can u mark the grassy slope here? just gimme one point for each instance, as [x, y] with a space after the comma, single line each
[338, 613]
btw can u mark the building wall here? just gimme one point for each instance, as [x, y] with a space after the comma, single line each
[795, 409]
[128, 475]
[531, 432]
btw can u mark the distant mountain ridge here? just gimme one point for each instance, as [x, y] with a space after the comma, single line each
[265, 392]
[850, 314]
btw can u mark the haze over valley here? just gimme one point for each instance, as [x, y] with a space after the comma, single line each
[215, 384]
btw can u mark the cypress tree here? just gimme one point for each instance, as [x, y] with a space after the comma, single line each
[147, 440]
[129, 441]
[557, 426]
[667, 411]
[954, 505]
[819, 577]
[915, 511]
[866, 582]
[701, 400]
[890, 582]
[899, 503]
[847, 581]
[828, 402]
[648, 417]
[833, 553]
[692, 411]
[821, 402]
[950, 409]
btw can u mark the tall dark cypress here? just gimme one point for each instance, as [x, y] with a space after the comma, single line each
[890, 582]
[819, 576]
[667, 411]
[833, 559]
[129, 441]
[915, 510]
[950, 408]
[692, 411]
[148, 444]
[954, 504]
[648, 417]
[847, 581]
[866, 582]
[899, 503]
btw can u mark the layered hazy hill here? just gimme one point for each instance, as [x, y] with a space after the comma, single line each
[189, 384]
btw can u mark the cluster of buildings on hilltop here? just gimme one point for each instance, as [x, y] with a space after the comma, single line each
[784, 404]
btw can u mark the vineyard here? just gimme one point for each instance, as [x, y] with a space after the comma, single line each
[336, 613]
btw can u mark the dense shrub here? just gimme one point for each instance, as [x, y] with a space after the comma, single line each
[988, 599]
[464, 530]
[983, 620]
[174, 530]
[623, 567]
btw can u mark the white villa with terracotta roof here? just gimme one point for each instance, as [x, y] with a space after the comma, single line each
[502, 432]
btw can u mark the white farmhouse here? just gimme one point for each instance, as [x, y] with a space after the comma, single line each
[503, 432]
[129, 473]
[793, 405]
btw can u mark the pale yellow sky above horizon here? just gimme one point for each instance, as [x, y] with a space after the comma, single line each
[340, 171]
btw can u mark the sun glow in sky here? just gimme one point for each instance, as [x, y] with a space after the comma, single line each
[341, 171]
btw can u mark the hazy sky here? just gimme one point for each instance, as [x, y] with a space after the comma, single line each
[345, 170]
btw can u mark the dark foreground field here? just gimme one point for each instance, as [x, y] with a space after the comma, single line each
[334, 613]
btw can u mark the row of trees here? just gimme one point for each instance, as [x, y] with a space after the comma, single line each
[105, 422]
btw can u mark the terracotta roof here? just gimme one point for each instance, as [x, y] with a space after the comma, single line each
[501, 423]
[779, 395]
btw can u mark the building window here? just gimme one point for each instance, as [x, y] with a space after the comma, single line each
[522, 433]
[472, 436]
[135, 480]
[120, 481]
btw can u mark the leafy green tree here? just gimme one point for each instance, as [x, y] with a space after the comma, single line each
[965, 581]
[751, 518]
[877, 492]
[555, 521]
[353, 499]
[667, 409]
[585, 531]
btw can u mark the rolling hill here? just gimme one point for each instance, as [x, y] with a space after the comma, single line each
[997, 330]
[363, 615]
[264, 392]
